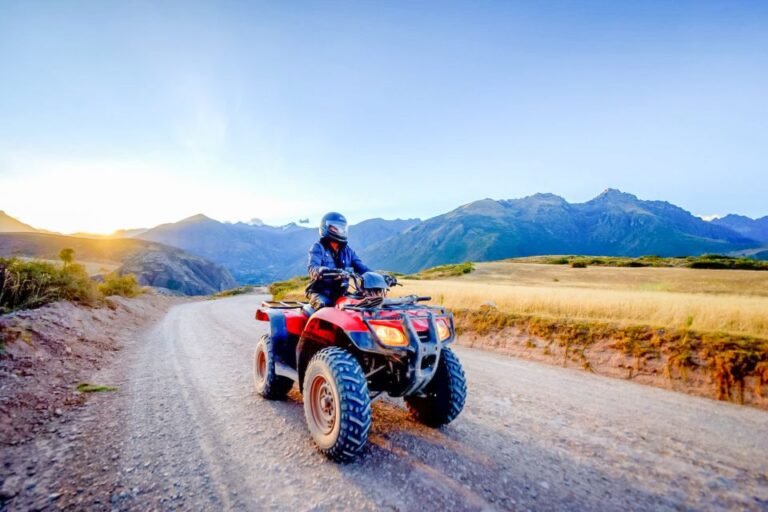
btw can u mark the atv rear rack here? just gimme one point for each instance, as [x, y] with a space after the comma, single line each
[280, 304]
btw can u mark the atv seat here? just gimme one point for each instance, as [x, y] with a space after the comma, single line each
[308, 309]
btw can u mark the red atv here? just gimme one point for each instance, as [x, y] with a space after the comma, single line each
[344, 357]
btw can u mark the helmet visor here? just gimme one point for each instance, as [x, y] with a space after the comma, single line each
[337, 228]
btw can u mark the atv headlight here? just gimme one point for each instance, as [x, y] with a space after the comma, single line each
[391, 336]
[443, 331]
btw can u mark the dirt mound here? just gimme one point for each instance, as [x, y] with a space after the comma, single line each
[607, 357]
[46, 353]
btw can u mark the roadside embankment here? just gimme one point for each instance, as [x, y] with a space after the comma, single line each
[715, 365]
[48, 355]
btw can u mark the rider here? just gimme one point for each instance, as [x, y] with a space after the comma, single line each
[331, 252]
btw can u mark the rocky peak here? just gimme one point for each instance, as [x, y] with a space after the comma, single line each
[614, 195]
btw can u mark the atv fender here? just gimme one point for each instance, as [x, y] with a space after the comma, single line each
[282, 326]
[328, 327]
[277, 323]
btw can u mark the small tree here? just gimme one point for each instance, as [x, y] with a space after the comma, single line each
[67, 255]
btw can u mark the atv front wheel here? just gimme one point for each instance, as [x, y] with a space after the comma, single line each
[336, 404]
[443, 398]
[267, 383]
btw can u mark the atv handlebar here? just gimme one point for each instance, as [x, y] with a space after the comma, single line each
[339, 274]
[336, 273]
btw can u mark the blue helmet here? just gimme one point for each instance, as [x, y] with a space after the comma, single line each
[333, 226]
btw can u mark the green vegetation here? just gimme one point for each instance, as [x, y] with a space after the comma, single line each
[450, 270]
[124, 286]
[729, 359]
[85, 387]
[240, 290]
[706, 261]
[281, 290]
[32, 284]
[67, 255]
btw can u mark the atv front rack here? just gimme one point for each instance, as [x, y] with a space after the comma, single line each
[424, 345]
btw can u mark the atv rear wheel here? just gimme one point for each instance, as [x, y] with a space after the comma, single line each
[267, 383]
[443, 398]
[336, 404]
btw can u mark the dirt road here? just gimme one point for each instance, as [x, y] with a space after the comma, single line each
[186, 431]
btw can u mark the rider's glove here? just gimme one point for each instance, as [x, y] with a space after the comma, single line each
[390, 280]
[319, 271]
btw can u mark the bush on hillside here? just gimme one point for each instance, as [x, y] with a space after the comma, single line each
[293, 287]
[240, 290]
[124, 286]
[449, 270]
[31, 284]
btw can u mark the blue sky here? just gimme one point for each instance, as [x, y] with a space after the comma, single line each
[122, 114]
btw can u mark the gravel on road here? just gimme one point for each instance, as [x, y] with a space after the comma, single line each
[186, 431]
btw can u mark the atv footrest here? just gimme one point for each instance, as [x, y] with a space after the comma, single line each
[279, 304]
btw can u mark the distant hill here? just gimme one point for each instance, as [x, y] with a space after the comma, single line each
[612, 224]
[154, 264]
[256, 253]
[756, 229]
[9, 224]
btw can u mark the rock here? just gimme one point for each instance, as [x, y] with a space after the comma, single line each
[10, 488]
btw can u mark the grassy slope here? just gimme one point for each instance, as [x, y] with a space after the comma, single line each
[685, 321]
[707, 300]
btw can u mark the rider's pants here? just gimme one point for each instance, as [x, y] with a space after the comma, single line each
[320, 300]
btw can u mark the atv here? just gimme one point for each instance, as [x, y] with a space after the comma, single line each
[346, 356]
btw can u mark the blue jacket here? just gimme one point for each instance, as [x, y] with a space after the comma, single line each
[321, 255]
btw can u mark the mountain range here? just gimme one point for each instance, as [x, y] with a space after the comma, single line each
[257, 253]
[756, 229]
[612, 224]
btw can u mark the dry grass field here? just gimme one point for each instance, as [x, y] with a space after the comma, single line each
[731, 301]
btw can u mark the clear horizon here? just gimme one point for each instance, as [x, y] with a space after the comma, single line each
[116, 116]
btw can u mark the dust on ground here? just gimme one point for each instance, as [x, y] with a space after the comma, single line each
[45, 353]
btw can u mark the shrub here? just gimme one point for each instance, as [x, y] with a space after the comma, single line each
[240, 290]
[293, 286]
[124, 286]
[31, 284]
[450, 270]
[67, 255]
[578, 264]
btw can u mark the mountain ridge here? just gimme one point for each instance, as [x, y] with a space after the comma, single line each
[613, 223]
